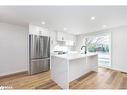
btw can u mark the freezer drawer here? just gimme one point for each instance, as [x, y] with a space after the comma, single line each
[39, 65]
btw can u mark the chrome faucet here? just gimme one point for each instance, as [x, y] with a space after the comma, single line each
[85, 49]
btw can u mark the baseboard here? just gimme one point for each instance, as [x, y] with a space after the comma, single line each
[13, 74]
[122, 71]
[115, 69]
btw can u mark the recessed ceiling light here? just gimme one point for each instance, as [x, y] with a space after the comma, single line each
[65, 29]
[43, 22]
[92, 18]
[104, 26]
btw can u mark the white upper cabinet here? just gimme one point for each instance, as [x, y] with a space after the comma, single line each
[37, 30]
[33, 29]
[61, 36]
[68, 38]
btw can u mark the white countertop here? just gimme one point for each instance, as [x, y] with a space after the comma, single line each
[74, 55]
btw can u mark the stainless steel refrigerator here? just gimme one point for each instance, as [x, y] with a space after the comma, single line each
[39, 54]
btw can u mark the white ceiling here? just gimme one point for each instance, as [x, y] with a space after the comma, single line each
[75, 18]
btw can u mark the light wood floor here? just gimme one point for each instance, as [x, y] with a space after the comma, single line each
[24, 81]
[104, 79]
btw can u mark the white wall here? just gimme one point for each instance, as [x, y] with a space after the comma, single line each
[118, 47]
[13, 49]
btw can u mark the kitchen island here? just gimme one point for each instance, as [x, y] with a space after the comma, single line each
[69, 67]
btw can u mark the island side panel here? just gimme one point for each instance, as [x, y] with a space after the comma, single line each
[93, 63]
[59, 71]
[77, 68]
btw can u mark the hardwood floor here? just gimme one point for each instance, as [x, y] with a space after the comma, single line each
[24, 81]
[104, 79]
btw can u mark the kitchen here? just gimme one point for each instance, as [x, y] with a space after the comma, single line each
[51, 51]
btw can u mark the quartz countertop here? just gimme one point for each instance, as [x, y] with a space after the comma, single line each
[74, 56]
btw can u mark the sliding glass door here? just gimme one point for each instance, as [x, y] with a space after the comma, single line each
[101, 44]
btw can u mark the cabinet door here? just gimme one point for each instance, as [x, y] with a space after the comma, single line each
[60, 36]
[70, 40]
